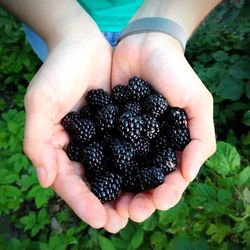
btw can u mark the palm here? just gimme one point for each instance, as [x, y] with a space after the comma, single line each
[58, 87]
[162, 64]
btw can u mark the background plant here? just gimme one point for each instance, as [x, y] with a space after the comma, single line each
[214, 212]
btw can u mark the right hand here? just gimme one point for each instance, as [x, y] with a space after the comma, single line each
[159, 59]
[74, 66]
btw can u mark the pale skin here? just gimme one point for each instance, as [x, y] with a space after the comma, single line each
[81, 59]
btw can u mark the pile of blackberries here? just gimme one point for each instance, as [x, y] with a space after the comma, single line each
[126, 140]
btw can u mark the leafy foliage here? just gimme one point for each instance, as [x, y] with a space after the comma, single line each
[214, 212]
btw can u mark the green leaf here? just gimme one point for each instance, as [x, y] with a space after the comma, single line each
[105, 243]
[137, 239]
[6, 177]
[119, 243]
[181, 243]
[226, 159]
[220, 56]
[150, 224]
[158, 240]
[246, 195]
[247, 91]
[218, 232]
[246, 118]
[29, 221]
[224, 196]
[243, 177]
[240, 70]
[201, 193]
[246, 237]
[246, 139]
[175, 215]
[128, 232]
[230, 89]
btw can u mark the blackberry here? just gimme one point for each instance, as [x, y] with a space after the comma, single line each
[73, 152]
[122, 154]
[119, 94]
[68, 121]
[106, 139]
[92, 158]
[86, 112]
[176, 117]
[107, 186]
[130, 126]
[98, 98]
[137, 88]
[160, 143]
[179, 138]
[84, 131]
[138, 179]
[151, 177]
[142, 146]
[151, 127]
[131, 178]
[165, 160]
[107, 117]
[155, 105]
[132, 107]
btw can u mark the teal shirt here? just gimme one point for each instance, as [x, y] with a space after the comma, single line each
[111, 15]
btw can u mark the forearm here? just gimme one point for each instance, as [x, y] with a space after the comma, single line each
[188, 13]
[52, 19]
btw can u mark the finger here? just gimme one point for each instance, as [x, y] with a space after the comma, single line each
[123, 203]
[72, 189]
[37, 146]
[169, 193]
[114, 221]
[141, 207]
[202, 134]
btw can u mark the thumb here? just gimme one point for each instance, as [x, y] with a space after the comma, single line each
[37, 139]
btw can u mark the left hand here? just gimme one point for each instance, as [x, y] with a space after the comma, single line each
[159, 59]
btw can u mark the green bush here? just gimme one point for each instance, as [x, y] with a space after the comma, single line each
[214, 212]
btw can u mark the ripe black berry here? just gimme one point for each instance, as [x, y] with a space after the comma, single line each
[122, 154]
[119, 94]
[151, 126]
[155, 105]
[107, 186]
[130, 126]
[131, 178]
[82, 129]
[179, 138]
[74, 152]
[142, 146]
[176, 117]
[138, 89]
[107, 117]
[98, 98]
[86, 112]
[151, 177]
[132, 107]
[68, 121]
[165, 160]
[93, 158]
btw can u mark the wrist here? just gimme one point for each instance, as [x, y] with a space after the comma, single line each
[152, 42]
[188, 14]
[80, 29]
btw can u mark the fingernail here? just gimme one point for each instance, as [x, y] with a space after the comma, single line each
[40, 175]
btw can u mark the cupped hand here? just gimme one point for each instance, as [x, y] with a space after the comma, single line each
[73, 67]
[159, 59]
